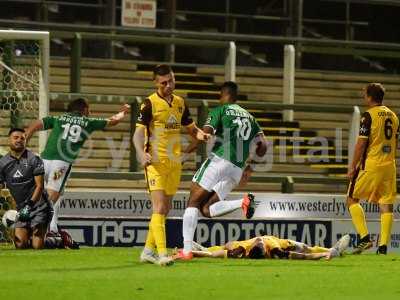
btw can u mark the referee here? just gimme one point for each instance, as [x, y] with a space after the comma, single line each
[22, 172]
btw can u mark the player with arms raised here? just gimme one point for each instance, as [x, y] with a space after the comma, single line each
[237, 133]
[373, 170]
[69, 133]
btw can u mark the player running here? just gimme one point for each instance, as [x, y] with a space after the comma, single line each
[68, 135]
[157, 141]
[271, 247]
[236, 130]
[373, 170]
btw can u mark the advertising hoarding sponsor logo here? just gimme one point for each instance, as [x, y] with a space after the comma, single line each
[132, 232]
[269, 205]
[339, 228]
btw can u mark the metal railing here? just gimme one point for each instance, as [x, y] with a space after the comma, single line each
[76, 53]
[227, 16]
[286, 182]
[190, 34]
[308, 45]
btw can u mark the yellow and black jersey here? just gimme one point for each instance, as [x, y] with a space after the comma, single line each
[246, 244]
[380, 126]
[272, 242]
[163, 121]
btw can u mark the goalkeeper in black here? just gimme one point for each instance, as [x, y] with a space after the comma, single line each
[22, 172]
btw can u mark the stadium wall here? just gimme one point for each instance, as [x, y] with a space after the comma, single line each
[121, 219]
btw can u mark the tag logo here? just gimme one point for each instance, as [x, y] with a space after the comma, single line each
[18, 174]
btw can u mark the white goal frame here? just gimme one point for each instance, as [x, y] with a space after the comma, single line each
[43, 37]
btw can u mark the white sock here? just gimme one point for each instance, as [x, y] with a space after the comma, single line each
[54, 220]
[189, 227]
[221, 208]
[148, 251]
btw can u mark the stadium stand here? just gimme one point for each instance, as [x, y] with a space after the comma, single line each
[124, 78]
[112, 78]
[130, 80]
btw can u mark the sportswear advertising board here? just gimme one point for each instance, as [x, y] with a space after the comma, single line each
[132, 232]
[341, 227]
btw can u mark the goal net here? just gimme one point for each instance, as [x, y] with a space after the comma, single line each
[24, 88]
[24, 65]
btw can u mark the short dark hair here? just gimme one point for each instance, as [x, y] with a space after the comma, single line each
[231, 87]
[78, 105]
[257, 252]
[16, 129]
[376, 91]
[161, 70]
[238, 252]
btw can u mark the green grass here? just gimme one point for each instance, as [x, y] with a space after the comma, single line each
[116, 274]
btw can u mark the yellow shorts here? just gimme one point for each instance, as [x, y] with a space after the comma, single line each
[164, 176]
[377, 185]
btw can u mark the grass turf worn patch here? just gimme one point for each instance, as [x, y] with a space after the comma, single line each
[115, 273]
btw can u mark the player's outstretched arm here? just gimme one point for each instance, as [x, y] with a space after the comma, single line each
[209, 254]
[309, 256]
[36, 125]
[115, 119]
[192, 146]
[197, 133]
[198, 136]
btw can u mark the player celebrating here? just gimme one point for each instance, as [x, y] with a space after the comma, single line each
[157, 143]
[236, 131]
[69, 133]
[373, 170]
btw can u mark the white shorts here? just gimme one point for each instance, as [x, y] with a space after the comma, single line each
[56, 173]
[218, 175]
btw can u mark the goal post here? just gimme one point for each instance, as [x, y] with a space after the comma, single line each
[24, 79]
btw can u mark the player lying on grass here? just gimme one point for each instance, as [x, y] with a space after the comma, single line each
[22, 172]
[271, 247]
[236, 133]
[69, 132]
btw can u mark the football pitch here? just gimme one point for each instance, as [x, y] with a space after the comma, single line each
[115, 273]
